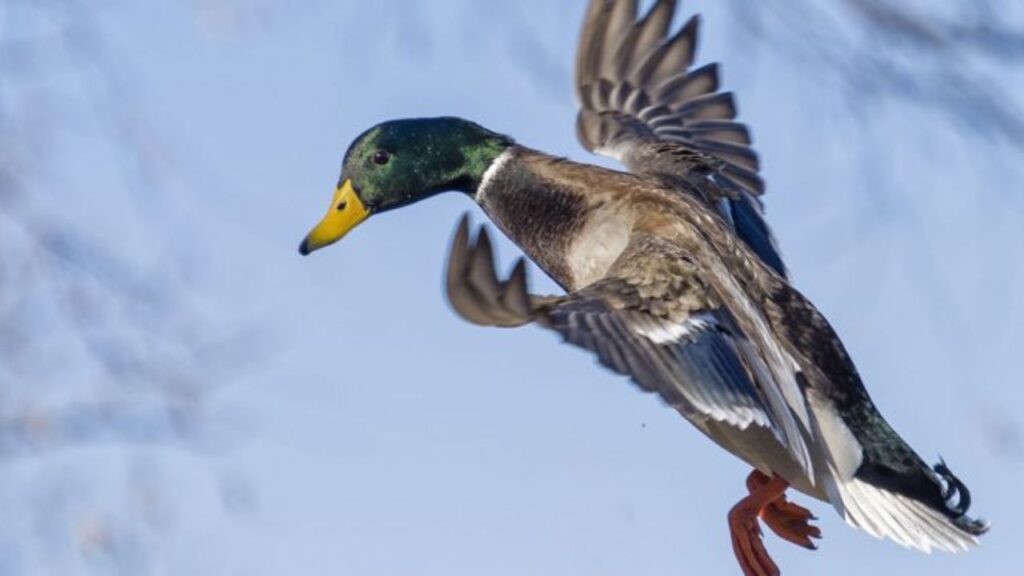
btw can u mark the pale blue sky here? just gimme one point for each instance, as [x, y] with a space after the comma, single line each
[370, 432]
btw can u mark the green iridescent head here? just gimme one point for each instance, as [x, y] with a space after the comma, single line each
[403, 161]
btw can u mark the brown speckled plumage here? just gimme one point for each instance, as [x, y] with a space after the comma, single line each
[690, 312]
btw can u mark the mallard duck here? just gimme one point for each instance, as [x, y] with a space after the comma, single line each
[671, 277]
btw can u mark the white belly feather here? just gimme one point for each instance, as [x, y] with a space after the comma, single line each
[597, 246]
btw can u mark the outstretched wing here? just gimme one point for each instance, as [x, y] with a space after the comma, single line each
[652, 318]
[642, 104]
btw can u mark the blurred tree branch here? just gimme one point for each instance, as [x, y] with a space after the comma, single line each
[942, 58]
[92, 352]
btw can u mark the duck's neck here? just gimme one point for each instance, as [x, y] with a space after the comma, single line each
[534, 200]
[477, 155]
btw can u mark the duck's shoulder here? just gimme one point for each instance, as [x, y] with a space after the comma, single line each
[598, 184]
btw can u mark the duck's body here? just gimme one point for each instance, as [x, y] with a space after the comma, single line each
[625, 246]
[672, 277]
[576, 221]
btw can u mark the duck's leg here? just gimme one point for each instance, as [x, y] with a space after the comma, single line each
[746, 533]
[789, 521]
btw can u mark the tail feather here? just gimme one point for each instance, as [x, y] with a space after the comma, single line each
[911, 522]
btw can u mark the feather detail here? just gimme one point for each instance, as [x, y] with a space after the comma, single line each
[640, 103]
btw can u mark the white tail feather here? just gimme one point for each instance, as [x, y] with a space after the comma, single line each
[910, 523]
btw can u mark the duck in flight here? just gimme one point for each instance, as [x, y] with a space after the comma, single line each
[671, 277]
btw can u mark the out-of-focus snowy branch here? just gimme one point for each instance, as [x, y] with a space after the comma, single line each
[980, 29]
[943, 57]
[95, 353]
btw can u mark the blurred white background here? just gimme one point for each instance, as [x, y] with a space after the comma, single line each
[181, 393]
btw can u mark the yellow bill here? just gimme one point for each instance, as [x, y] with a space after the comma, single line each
[345, 213]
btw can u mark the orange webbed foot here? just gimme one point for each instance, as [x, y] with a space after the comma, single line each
[787, 520]
[791, 523]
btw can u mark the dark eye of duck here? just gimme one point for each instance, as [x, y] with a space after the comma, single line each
[381, 157]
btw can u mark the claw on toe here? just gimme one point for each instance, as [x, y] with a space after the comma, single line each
[791, 523]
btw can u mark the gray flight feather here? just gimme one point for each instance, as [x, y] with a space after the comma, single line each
[641, 104]
[673, 338]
